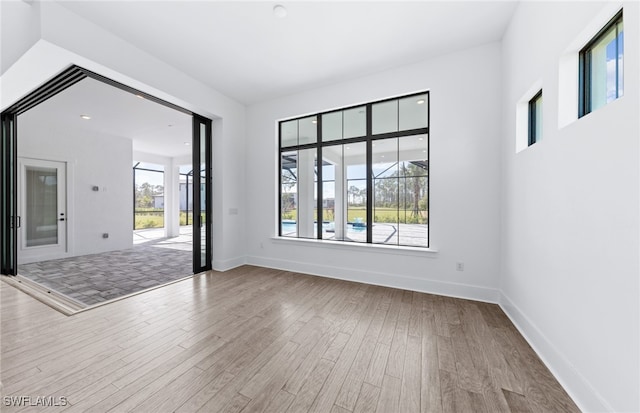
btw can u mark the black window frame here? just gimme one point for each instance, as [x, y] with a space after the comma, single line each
[368, 138]
[533, 117]
[585, 70]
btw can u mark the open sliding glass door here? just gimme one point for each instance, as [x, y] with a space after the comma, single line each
[9, 219]
[202, 233]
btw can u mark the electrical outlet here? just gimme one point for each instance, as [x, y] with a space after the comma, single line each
[460, 266]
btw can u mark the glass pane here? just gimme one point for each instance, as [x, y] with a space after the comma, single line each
[385, 117]
[41, 206]
[149, 195]
[308, 130]
[355, 122]
[603, 70]
[354, 183]
[620, 59]
[385, 191]
[328, 197]
[538, 125]
[413, 112]
[331, 126]
[413, 190]
[289, 133]
[288, 193]
[307, 193]
[203, 195]
[333, 203]
[298, 207]
[185, 192]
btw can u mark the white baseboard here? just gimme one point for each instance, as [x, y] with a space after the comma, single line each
[576, 385]
[226, 265]
[383, 279]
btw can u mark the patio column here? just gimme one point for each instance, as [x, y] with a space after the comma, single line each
[172, 199]
[306, 186]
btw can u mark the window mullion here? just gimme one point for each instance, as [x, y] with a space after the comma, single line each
[369, 176]
[319, 163]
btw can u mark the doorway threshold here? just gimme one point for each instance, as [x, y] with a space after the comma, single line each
[64, 304]
[57, 301]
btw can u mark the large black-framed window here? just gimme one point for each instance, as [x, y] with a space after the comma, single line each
[601, 71]
[357, 174]
[535, 119]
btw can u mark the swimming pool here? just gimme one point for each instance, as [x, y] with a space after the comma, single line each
[289, 227]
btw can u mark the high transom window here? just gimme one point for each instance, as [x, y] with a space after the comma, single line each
[601, 67]
[358, 174]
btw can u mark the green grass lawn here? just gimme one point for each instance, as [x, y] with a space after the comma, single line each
[143, 220]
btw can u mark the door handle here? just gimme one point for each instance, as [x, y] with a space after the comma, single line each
[61, 219]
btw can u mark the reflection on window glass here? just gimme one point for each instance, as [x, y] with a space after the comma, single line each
[344, 124]
[41, 206]
[385, 117]
[331, 126]
[307, 130]
[412, 112]
[355, 122]
[289, 133]
[355, 189]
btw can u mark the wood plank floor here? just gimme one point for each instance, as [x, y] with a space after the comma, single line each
[254, 339]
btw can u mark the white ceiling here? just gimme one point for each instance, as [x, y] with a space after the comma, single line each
[153, 128]
[242, 50]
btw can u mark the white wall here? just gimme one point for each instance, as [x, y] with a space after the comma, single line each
[68, 39]
[465, 176]
[19, 30]
[97, 160]
[570, 212]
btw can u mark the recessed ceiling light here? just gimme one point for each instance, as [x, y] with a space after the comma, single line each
[86, 117]
[420, 102]
[348, 148]
[420, 139]
[279, 11]
[314, 121]
[187, 143]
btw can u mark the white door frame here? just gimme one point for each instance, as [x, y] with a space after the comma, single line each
[60, 248]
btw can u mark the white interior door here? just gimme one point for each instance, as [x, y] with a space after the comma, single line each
[43, 210]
